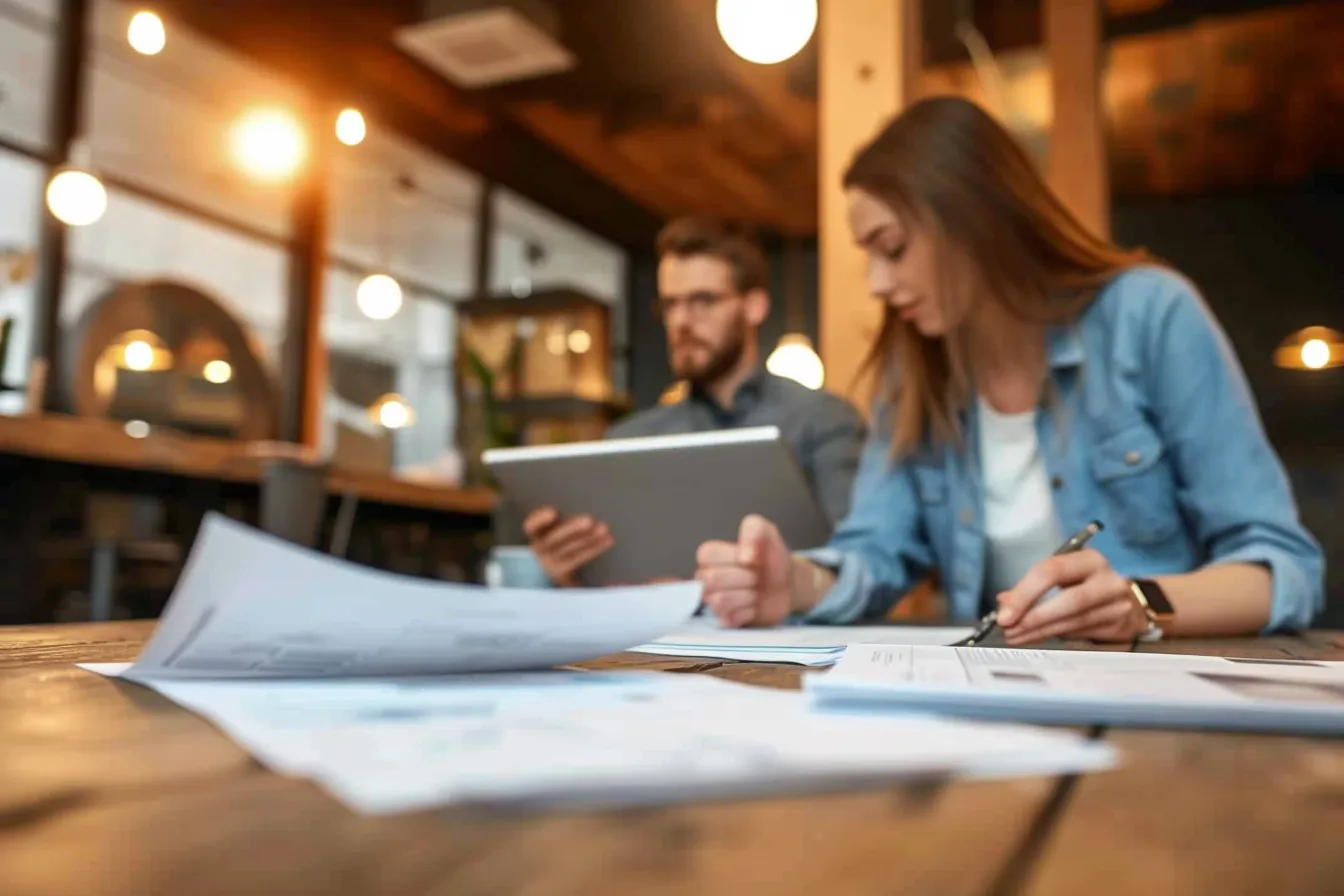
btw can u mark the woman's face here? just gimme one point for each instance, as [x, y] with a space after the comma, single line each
[902, 269]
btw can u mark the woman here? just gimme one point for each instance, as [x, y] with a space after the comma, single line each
[1031, 377]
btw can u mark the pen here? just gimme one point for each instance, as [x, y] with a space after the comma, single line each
[1077, 541]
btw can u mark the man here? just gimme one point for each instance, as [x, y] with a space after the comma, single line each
[712, 299]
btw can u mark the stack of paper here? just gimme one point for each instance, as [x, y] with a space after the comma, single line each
[807, 645]
[587, 738]
[336, 673]
[1079, 688]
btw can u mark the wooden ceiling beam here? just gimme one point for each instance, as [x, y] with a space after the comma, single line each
[340, 60]
[580, 136]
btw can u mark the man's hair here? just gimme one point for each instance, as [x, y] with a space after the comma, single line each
[685, 237]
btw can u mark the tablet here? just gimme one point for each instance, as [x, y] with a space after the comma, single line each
[662, 496]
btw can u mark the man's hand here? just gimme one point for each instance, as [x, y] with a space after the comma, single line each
[747, 582]
[1093, 602]
[564, 546]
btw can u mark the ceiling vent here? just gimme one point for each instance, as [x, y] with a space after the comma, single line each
[480, 43]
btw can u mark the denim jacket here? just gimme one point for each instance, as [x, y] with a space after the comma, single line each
[1154, 431]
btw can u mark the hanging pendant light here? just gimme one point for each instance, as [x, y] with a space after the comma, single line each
[75, 195]
[1311, 348]
[766, 31]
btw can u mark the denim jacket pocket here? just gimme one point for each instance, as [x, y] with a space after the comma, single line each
[1132, 471]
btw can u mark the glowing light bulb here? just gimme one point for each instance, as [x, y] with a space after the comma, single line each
[146, 33]
[76, 197]
[378, 296]
[217, 372]
[268, 144]
[766, 31]
[794, 358]
[138, 355]
[394, 413]
[580, 341]
[350, 127]
[1315, 353]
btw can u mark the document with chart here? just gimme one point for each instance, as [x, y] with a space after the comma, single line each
[1084, 687]
[249, 605]
[573, 738]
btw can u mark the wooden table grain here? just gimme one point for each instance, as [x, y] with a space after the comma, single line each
[108, 788]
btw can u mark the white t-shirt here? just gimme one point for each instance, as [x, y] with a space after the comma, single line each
[1020, 524]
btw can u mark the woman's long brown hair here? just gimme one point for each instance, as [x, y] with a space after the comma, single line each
[999, 232]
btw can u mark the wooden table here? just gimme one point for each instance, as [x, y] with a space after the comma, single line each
[107, 788]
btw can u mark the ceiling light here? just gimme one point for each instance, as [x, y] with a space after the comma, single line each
[378, 296]
[76, 197]
[350, 127]
[766, 31]
[268, 144]
[146, 33]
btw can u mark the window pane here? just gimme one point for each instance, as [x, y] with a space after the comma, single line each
[21, 187]
[165, 122]
[410, 356]
[396, 209]
[27, 36]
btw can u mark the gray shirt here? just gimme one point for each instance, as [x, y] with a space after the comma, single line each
[823, 431]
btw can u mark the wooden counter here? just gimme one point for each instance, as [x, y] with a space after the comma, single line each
[104, 443]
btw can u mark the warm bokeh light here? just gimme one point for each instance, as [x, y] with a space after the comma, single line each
[146, 33]
[580, 341]
[268, 144]
[555, 341]
[378, 296]
[795, 359]
[392, 411]
[76, 197]
[350, 127]
[136, 429]
[766, 31]
[1311, 348]
[217, 372]
[138, 355]
[1315, 353]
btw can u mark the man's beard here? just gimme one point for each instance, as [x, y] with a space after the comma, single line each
[720, 362]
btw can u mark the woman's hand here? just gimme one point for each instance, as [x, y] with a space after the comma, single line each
[749, 581]
[1094, 601]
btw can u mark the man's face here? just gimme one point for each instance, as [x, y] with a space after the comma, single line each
[708, 322]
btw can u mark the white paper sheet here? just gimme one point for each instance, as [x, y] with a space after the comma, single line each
[250, 606]
[610, 738]
[1079, 687]
[807, 645]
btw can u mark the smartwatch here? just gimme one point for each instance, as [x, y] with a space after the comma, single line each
[1155, 605]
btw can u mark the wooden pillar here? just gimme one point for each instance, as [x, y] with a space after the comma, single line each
[1076, 163]
[863, 56]
[64, 125]
[303, 363]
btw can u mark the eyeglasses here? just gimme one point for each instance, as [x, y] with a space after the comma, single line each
[697, 304]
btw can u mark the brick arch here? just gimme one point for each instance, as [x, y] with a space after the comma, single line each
[173, 311]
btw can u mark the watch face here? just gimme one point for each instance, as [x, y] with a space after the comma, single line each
[1157, 599]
